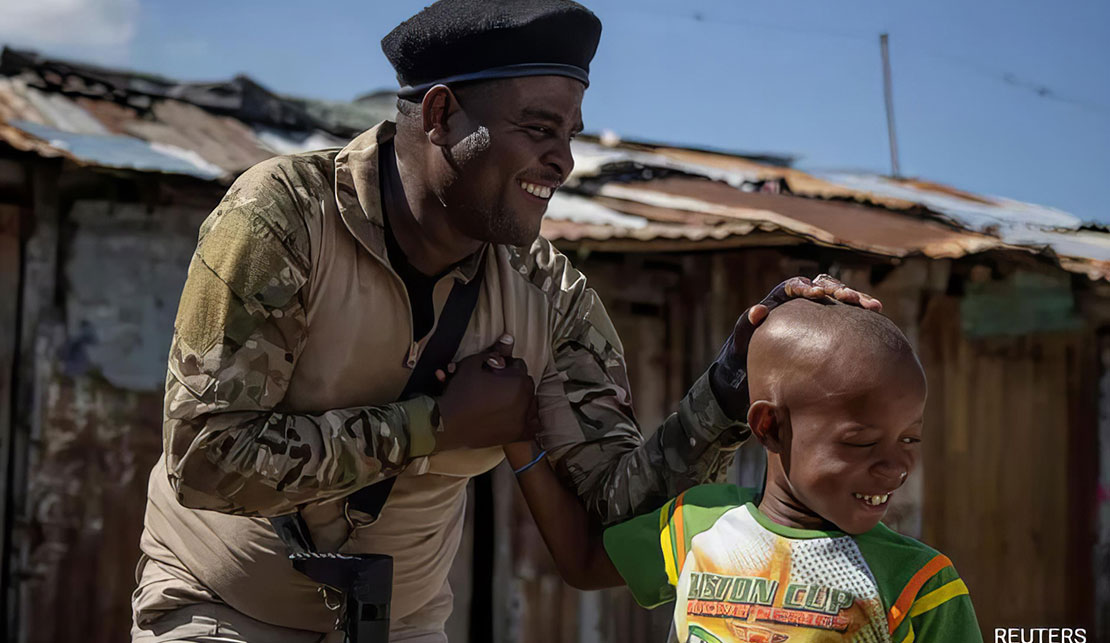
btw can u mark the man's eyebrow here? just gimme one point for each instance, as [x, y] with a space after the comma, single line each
[548, 115]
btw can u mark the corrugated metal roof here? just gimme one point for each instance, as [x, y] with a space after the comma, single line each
[574, 208]
[975, 212]
[911, 217]
[687, 207]
[736, 170]
[124, 152]
[171, 128]
[621, 195]
[56, 110]
[287, 142]
[87, 100]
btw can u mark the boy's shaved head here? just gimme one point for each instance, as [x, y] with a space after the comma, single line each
[804, 344]
[838, 398]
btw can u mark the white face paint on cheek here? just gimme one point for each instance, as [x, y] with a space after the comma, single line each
[470, 147]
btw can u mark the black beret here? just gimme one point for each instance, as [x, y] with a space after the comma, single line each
[456, 41]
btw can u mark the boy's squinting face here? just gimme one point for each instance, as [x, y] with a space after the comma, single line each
[852, 445]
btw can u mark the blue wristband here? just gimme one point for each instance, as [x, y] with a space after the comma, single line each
[530, 464]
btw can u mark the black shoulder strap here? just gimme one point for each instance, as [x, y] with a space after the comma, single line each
[438, 352]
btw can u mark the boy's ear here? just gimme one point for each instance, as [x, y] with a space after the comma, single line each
[438, 106]
[763, 418]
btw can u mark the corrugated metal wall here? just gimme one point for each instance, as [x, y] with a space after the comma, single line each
[1010, 468]
[101, 279]
[10, 260]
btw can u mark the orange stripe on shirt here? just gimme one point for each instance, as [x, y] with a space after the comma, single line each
[902, 606]
[680, 540]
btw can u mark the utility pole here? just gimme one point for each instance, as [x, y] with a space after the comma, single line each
[889, 97]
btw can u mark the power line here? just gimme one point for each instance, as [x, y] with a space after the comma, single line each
[1040, 90]
[697, 15]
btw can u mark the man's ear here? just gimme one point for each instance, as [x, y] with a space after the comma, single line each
[437, 108]
[765, 422]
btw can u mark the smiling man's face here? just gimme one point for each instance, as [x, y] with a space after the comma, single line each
[513, 154]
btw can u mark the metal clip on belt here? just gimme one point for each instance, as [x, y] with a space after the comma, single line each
[359, 577]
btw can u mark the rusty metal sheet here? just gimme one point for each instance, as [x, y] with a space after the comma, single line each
[14, 105]
[833, 223]
[933, 186]
[203, 140]
[964, 222]
[118, 152]
[220, 140]
[1002, 216]
[797, 181]
[113, 116]
[571, 231]
[61, 113]
[730, 169]
[1094, 270]
[25, 142]
[85, 487]
[846, 224]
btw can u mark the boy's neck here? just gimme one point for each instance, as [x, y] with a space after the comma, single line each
[782, 508]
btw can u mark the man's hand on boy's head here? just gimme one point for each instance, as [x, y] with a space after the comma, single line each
[819, 288]
[728, 374]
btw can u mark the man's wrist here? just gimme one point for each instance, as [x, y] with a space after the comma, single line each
[705, 414]
[730, 391]
[425, 424]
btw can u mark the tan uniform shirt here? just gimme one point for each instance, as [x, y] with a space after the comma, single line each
[292, 342]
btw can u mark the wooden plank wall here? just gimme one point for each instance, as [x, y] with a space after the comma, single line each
[39, 331]
[1101, 563]
[10, 260]
[1002, 429]
[84, 444]
[88, 490]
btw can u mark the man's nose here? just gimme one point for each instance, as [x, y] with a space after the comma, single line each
[560, 159]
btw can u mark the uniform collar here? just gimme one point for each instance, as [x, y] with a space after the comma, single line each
[358, 196]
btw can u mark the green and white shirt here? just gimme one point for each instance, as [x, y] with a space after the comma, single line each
[737, 576]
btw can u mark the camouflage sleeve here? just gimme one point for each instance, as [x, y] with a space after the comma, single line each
[239, 330]
[601, 452]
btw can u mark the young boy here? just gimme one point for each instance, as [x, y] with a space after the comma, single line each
[838, 397]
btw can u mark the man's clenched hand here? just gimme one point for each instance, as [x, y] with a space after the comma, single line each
[489, 400]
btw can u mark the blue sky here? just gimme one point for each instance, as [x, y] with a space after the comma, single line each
[1007, 98]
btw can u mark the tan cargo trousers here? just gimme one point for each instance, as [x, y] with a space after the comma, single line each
[214, 623]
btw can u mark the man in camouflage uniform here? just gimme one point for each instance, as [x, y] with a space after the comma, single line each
[309, 301]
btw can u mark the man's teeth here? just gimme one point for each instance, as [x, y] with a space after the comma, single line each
[541, 191]
[873, 500]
